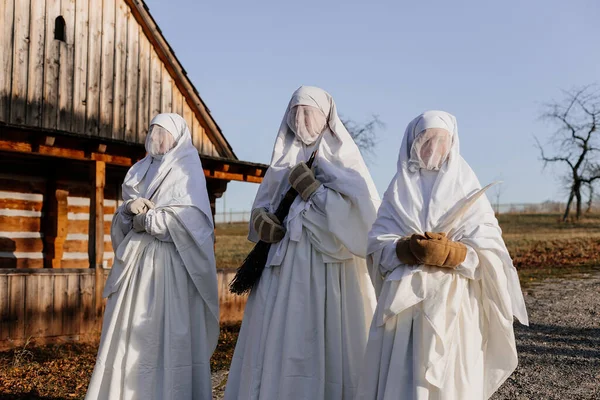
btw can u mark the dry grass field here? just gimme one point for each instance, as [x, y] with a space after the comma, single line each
[540, 244]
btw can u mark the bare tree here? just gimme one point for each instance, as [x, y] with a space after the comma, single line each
[590, 200]
[575, 143]
[497, 192]
[364, 135]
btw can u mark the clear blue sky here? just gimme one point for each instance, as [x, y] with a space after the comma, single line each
[491, 64]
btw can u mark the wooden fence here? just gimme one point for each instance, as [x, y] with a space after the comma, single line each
[53, 305]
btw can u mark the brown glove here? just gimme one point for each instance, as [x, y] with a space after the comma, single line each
[303, 180]
[435, 249]
[403, 252]
[267, 226]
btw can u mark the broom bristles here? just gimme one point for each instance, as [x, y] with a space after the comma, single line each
[251, 269]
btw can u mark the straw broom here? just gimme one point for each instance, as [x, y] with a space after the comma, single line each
[249, 273]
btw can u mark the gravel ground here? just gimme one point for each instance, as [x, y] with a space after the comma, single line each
[219, 379]
[559, 353]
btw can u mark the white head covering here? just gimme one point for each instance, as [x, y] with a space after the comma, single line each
[338, 165]
[162, 136]
[419, 200]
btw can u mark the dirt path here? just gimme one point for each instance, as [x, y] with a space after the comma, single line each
[559, 353]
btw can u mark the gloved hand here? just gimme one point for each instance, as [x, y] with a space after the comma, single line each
[435, 249]
[303, 180]
[139, 222]
[267, 226]
[139, 205]
[403, 252]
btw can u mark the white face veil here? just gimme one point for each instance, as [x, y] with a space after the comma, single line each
[338, 165]
[159, 141]
[430, 149]
[307, 123]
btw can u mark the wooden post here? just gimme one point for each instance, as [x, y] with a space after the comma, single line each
[215, 188]
[212, 200]
[96, 240]
[55, 224]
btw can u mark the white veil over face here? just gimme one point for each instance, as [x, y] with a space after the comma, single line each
[338, 165]
[307, 123]
[159, 141]
[430, 149]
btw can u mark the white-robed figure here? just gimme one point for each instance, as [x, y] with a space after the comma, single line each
[305, 324]
[447, 288]
[161, 323]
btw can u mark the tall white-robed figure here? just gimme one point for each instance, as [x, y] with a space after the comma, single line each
[305, 324]
[447, 288]
[161, 323]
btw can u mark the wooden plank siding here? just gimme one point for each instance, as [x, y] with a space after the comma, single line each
[108, 77]
[20, 62]
[66, 67]
[7, 9]
[51, 67]
[120, 71]
[52, 305]
[43, 305]
[35, 78]
[131, 91]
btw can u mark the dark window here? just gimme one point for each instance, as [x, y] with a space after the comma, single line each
[59, 29]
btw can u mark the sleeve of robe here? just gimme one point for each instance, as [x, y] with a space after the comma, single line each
[123, 220]
[156, 225]
[337, 215]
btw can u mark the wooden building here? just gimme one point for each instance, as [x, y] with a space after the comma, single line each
[79, 82]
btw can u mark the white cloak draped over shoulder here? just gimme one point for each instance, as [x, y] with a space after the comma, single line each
[439, 333]
[305, 324]
[161, 323]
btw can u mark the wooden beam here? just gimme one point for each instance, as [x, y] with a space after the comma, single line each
[49, 141]
[229, 176]
[96, 237]
[54, 151]
[83, 149]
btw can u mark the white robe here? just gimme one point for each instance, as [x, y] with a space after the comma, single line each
[305, 325]
[395, 363]
[160, 325]
[155, 342]
[439, 333]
